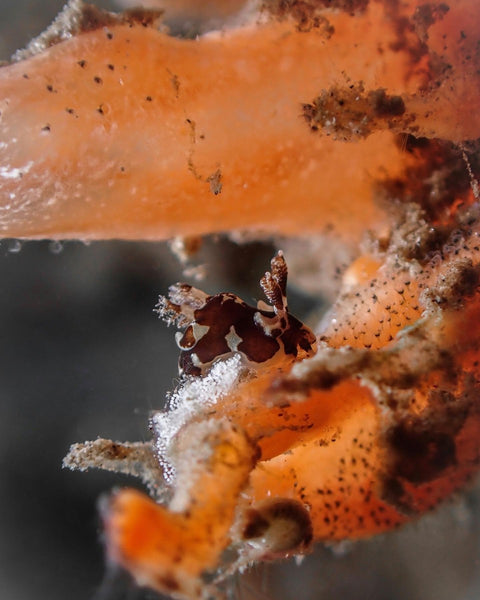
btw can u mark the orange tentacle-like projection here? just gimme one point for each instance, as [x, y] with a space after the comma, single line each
[346, 116]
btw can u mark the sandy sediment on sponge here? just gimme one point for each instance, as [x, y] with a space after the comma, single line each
[124, 131]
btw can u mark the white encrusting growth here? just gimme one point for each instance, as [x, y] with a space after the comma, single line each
[193, 396]
[8, 172]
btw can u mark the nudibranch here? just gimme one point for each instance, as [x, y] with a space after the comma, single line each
[221, 325]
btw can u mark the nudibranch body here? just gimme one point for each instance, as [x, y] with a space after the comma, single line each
[223, 324]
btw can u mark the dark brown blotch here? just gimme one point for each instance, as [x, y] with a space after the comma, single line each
[386, 106]
[116, 452]
[393, 492]
[255, 526]
[421, 454]
[296, 336]
[426, 15]
[92, 18]
[284, 524]
[305, 12]
[168, 582]
[188, 339]
[146, 17]
[186, 366]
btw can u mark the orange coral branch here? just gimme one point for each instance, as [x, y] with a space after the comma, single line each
[126, 132]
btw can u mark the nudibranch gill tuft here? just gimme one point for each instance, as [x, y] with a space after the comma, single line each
[220, 325]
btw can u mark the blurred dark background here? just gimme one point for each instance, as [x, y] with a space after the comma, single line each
[82, 355]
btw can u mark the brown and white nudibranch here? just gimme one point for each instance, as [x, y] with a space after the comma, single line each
[220, 325]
